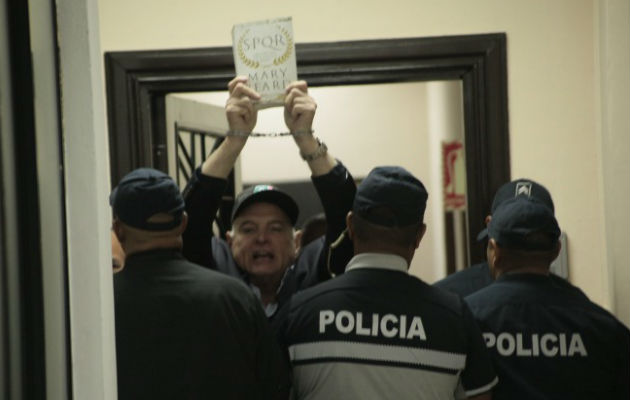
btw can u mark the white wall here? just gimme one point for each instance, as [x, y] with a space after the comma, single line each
[553, 76]
[88, 215]
[615, 146]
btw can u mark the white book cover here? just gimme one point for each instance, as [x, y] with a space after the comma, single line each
[264, 51]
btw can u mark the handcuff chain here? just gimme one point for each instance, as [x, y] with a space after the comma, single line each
[269, 134]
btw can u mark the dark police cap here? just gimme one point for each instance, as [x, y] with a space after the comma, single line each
[524, 223]
[515, 188]
[144, 192]
[395, 190]
[266, 194]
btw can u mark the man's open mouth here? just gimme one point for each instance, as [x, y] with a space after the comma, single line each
[262, 255]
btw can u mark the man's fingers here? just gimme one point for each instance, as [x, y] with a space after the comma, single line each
[295, 90]
[302, 105]
[299, 106]
[294, 93]
[235, 81]
[300, 102]
[299, 111]
[242, 101]
[241, 90]
[238, 88]
[240, 106]
[299, 85]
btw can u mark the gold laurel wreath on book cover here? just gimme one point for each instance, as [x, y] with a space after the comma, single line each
[287, 52]
[276, 61]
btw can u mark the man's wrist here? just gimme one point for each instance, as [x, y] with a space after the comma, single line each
[238, 133]
[302, 132]
[320, 151]
[306, 143]
[235, 143]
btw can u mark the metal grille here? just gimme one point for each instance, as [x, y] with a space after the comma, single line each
[192, 146]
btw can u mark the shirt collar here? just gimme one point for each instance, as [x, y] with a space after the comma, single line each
[271, 308]
[378, 260]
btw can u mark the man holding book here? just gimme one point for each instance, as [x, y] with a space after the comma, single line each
[260, 247]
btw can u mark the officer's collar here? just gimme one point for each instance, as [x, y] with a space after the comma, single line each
[524, 276]
[378, 260]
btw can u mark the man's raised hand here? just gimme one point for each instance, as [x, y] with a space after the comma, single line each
[299, 107]
[239, 108]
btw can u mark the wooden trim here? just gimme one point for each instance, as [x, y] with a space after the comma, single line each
[137, 82]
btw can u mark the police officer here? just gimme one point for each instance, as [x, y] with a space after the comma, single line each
[376, 332]
[475, 277]
[183, 331]
[547, 342]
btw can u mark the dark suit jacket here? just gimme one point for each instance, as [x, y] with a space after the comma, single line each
[186, 332]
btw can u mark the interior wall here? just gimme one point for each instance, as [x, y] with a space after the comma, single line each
[88, 214]
[553, 79]
[614, 42]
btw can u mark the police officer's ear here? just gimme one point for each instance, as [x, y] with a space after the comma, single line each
[118, 229]
[556, 251]
[488, 219]
[420, 234]
[184, 224]
[297, 240]
[494, 255]
[118, 254]
[350, 228]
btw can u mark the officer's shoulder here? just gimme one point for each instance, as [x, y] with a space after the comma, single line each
[602, 315]
[303, 297]
[218, 281]
[464, 274]
[591, 313]
[467, 281]
[484, 297]
[218, 288]
[444, 299]
[564, 284]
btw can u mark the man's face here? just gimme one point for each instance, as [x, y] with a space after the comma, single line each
[262, 241]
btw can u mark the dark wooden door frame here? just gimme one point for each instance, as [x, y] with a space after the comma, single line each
[138, 81]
